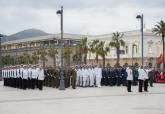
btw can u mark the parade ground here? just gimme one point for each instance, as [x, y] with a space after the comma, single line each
[104, 100]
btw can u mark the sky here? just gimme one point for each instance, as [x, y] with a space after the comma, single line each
[89, 17]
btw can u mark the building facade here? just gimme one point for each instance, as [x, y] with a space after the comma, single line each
[132, 49]
[30, 45]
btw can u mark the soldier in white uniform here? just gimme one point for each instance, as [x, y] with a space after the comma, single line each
[29, 77]
[91, 76]
[40, 78]
[3, 76]
[8, 77]
[78, 76]
[37, 74]
[15, 76]
[98, 72]
[34, 73]
[129, 78]
[88, 76]
[25, 77]
[85, 75]
[141, 78]
[147, 70]
[12, 76]
[21, 77]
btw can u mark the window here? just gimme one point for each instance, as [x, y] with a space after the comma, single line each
[126, 49]
[135, 48]
[150, 44]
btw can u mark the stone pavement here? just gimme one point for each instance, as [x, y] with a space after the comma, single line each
[104, 100]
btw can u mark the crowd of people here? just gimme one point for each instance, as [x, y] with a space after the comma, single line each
[23, 76]
[35, 76]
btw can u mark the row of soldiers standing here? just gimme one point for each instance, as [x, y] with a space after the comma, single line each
[23, 76]
[89, 76]
[81, 76]
[53, 75]
[32, 76]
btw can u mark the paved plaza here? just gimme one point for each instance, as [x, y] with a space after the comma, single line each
[104, 100]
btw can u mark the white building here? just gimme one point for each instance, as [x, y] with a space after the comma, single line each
[133, 48]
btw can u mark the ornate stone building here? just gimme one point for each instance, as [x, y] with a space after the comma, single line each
[132, 50]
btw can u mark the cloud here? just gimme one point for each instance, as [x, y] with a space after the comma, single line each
[80, 16]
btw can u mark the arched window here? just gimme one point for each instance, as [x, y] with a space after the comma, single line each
[136, 47]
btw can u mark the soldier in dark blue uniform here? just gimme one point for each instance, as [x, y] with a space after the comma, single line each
[124, 76]
[118, 76]
[110, 76]
[114, 76]
[107, 76]
[135, 76]
[103, 79]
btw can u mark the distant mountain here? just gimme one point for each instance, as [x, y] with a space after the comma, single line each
[2, 35]
[25, 34]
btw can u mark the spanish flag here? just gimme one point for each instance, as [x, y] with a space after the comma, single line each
[160, 59]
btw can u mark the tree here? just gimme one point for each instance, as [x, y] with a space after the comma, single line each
[117, 42]
[67, 54]
[7, 60]
[160, 30]
[83, 48]
[94, 48]
[103, 50]
[35, 58]
[77, 57]
[42, 55]
[52, 53]
[26, 58]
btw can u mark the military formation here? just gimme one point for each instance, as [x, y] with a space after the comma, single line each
[35, 76]
[89, 76]
[53, 76]
[23, 76]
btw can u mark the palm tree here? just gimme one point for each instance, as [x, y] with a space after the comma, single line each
[103, 51]
[117, 42]
[83, 48]
[67, 54]
[52, 53]
[42, 55]
[20, 59]
[160, 30]
[35, 58]
[94, 48]
[26, 58]
[7, 60]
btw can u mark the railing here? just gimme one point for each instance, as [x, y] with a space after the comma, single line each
[33, 48]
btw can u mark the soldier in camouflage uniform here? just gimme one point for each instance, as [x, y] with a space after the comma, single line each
[73, 77]
[46, 77]
[57, 75]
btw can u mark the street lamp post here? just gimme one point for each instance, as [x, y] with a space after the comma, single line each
[62, 84]
[141, 18]
[0, 58]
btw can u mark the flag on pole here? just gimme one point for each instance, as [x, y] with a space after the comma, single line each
[160, 59]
